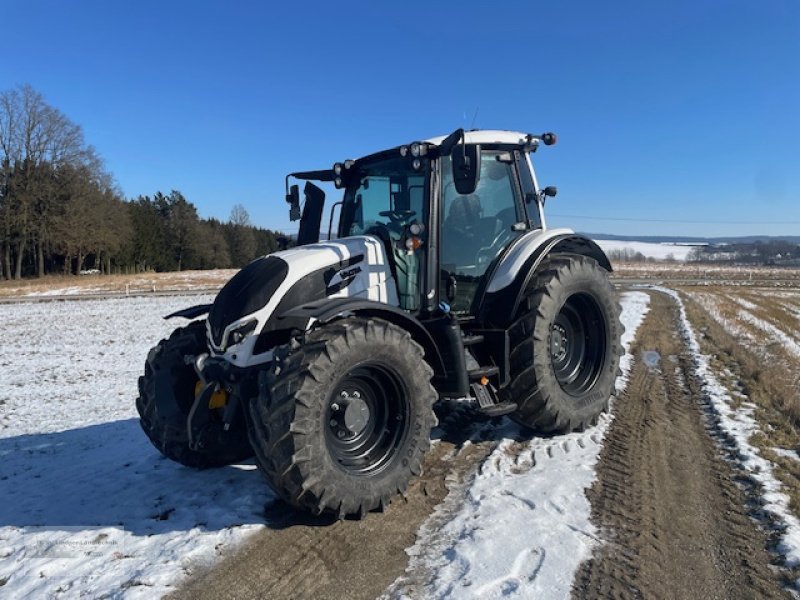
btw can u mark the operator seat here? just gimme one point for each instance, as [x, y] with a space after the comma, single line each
[460, 230]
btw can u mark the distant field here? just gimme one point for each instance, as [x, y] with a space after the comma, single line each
[116, 284]
[700, 273]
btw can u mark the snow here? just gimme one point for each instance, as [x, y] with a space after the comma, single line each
[788, 342]
[81, 481]
[92, 509]
[648, 249]
[739, 426]
[524, 526]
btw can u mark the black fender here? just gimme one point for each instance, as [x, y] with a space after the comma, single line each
[191, 313]
[326, 311]
[500, 307]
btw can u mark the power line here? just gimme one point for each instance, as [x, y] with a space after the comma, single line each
[675, 220]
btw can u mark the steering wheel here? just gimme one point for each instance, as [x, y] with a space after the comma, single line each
[399, 217]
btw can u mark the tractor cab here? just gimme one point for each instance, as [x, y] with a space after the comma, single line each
[445, 209]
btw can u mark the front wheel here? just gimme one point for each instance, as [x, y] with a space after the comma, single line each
[342, 422]
[166, 393]
[566, 346]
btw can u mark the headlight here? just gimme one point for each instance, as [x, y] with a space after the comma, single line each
[415, 149]
[416, 164]
[337, 182]
[337, 169]
[403, 151]
[348, 164]
[237, 335]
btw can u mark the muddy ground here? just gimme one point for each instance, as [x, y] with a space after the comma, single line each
[301, 556]
[677, 523]
[677, 515]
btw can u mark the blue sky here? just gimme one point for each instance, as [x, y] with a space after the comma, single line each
[678, 117]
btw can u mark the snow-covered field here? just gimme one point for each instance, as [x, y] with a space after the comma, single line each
[91, 509]
[648, 249]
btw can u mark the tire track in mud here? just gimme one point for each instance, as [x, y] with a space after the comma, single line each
[665, 500]
[301, 556]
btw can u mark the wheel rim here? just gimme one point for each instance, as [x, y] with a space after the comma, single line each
[578, 344]
[366, 419]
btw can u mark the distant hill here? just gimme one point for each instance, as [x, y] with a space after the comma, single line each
[678, 239]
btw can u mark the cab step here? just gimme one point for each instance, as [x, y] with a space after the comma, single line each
[487, 401]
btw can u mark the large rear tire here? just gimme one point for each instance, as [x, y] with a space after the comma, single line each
[565, 346]
[342, 421]
[164, 419]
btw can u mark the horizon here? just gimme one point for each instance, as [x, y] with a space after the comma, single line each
[691, 108]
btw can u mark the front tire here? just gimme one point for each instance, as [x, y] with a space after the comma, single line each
[163, 418]
[565, 346]
[342, 421]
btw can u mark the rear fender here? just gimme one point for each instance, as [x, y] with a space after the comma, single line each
[506, 290]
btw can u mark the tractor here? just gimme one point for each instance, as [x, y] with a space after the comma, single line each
[441, 281]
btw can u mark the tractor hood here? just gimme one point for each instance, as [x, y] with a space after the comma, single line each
[271, 285]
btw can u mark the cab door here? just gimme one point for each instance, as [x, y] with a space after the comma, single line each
[476, 228]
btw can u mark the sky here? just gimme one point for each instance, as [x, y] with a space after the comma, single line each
[673, 118]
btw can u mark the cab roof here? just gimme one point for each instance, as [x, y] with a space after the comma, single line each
[488, 136]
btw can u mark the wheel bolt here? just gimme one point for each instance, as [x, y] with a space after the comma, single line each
[334, 407]
[340, 434]
[334, 422]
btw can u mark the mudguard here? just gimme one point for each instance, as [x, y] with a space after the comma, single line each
[331, 309]
[505, 290]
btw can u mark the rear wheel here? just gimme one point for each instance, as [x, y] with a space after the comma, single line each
[166, 394]
[565, 346]
[343, 420]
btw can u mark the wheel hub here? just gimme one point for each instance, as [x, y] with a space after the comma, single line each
[559, 343]
[350, 414]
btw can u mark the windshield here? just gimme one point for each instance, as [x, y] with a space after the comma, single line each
[384, 195]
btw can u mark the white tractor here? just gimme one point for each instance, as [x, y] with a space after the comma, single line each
[324, 360]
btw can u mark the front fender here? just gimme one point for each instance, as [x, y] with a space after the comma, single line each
[330, 310]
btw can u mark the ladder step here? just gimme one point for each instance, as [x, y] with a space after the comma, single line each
[476, 374]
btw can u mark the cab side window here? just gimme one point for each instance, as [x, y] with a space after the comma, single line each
[477, 227]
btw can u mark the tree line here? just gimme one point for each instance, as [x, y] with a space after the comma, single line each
[60, 211]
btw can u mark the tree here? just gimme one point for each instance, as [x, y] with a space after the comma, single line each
[241, 240]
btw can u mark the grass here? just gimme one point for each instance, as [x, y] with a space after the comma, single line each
[767, 374]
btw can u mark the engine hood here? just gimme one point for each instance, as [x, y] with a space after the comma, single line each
[297, 276]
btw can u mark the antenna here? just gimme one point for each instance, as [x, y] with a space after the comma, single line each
[475, 116]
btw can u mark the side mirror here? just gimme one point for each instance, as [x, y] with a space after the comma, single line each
[293, 198]
[551, 191]
[466, 162]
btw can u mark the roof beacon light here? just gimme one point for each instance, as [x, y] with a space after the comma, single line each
[549, 138]
[337, 169]
[415, 149]
[348, 164]
[403, 151]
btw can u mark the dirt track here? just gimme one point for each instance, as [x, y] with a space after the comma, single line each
[665, 497]
[301, 556]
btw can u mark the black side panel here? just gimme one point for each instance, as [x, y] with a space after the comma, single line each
[313, 287]
[246, 292]
[446, 332]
